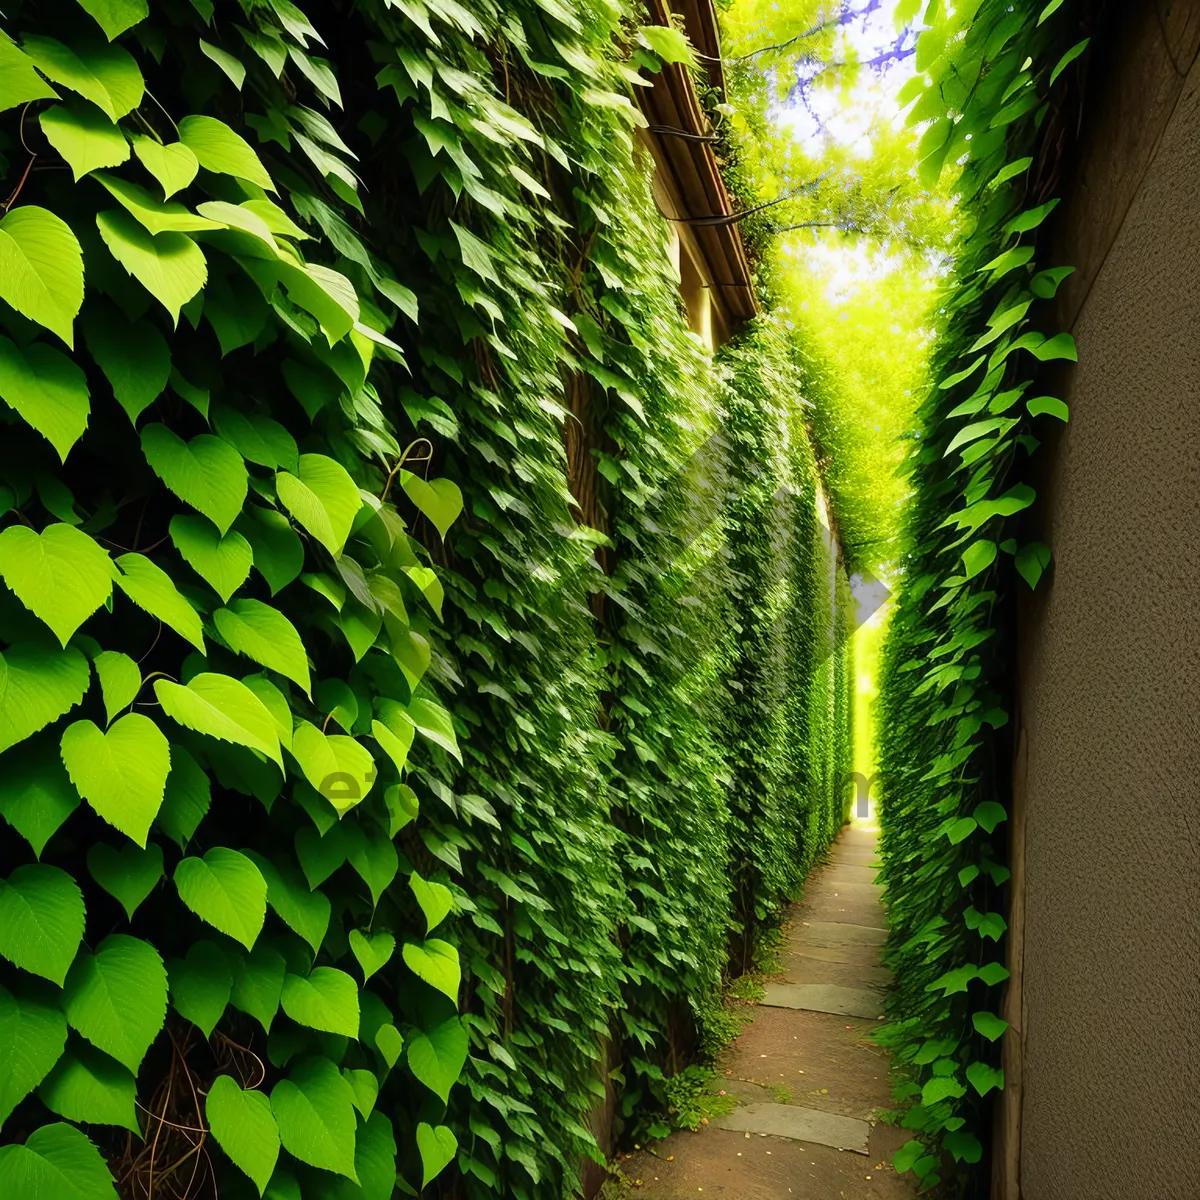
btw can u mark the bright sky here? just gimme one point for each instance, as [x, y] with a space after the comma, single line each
[845, 116]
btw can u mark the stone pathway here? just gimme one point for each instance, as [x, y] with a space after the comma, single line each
[808, 1079]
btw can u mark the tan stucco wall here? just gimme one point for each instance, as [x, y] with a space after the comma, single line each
[1110, 663]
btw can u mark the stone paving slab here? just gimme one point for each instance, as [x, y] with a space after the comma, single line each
[800, 1125]
[827, 998]
[864, 971]
[835, 934]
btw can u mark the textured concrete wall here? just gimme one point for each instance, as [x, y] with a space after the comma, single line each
[1110, 659]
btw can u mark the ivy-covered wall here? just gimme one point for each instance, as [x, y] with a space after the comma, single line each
[352, 442]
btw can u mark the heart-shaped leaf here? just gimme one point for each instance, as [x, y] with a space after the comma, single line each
[264, 634]
[435, 900]
[33, 1033]
[84, 136]
[90, 1087]
[315, 1110]
[201, 985]
[41, 920]
[374, 858]
[121, 772]
[220, 150]
[245, 1128]
[321, 497]
[439, 499]
[36, 795]
[223, 708]
[37, 685]
[207, 472]
[41, 269]
[117, 997]
[988, 1025]
[437, 1146]
[299, 907]
[170, 266]
[437, 1057]
[227, 890]
[152, 589]
[983, 1078]
[257, 438]
[173, 165]
[120, 680]
[48, 391]
[373, 950]
[366, 1091]
[21, 83]
[133, 355]
[56, 1160]
[341, 769]
[61, 575]
[436, 962]
[222, 562]
[258, 984]
[325, 999]
[186, 800]
[128, 874]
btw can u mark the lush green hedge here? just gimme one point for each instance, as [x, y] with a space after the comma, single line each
[355, 814]
[989, 77]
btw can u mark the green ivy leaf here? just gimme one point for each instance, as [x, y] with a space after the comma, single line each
[56, 1160]
[244, 1126]
[120, 680]
[19, 82]
[206, 472]
[373, 950]
[61, 575]
[373, 858]
[389, 1043]
[437, 1058]
[366, 1091]
[186, 800]
[1032, 560]
[32, 1037]
[116, 16]
[302, 909]
[218, 149]
[965, 1147]
[41, 269]
[174, 165]
[222, 708]
[325, 999]
[222, 562]
[233, 69]
[47, 390]
[258, 984]
[315, 1110]
[983, 1078]
[941, 1088]
[36, 795]
[117, 997]
[320, 855]
[105, 75]
[41, 920]
[988, 1025]
[264, 634]
[90, 1087]
[128, 874]
[439, 499]
[121, 772]
[258, 439]
[668, 43]
[133, 356]
[201, 985]
[905, 1158]
[989, 814]
[278, 551]
[435, 900]
[434, 722]
[437, 1146]
[436, 962]
[1041, 406]
[225, 889]
[341, 769]
[153, 590]
[155, 216]
[37, 685]
[993, 973]
[84, 136]
[170, 266]
[322, 498]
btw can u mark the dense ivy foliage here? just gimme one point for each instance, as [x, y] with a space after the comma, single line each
[351, 814]
[986, 78]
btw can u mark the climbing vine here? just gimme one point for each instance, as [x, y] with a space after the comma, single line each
[986, 80]
[371, 802]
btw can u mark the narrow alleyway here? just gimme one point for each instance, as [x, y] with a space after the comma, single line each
[808, 1079]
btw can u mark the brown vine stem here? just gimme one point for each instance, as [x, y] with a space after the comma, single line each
[151, 646]
[387, 487]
